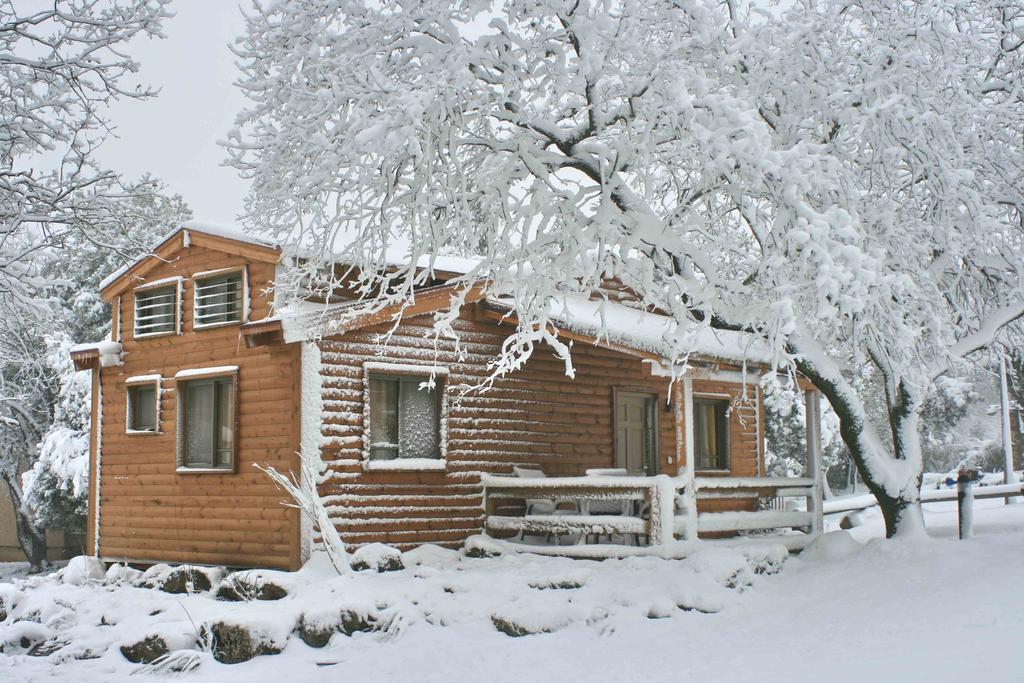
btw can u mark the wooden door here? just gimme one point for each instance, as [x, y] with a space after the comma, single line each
[635, 440]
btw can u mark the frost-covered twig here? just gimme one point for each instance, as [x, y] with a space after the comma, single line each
[303, 491]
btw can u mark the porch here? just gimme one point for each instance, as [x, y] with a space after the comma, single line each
[645, 515]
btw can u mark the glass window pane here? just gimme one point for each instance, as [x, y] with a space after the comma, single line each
[722, 431]
[199, 424]
[418, 427]
[383, 418]
[711, 434]
[143, 408]
[225, 422]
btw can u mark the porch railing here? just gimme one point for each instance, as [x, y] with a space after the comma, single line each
[663, 508]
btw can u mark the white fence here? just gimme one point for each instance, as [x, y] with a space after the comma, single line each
[656, 510]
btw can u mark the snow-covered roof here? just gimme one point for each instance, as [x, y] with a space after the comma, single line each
[646, 331]
[605, 320]
[107, 352]
[395, 256]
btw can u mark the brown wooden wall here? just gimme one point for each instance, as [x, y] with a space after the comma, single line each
[148, 511]
[537, 416]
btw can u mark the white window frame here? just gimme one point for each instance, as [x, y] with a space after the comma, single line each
[440, 374]
[176, 282]
[207, 274]
[140, 381]
[183, 377]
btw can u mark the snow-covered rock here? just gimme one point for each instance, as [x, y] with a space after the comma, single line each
[832, 547]
[157, 643]
[255, 584]
[24, 635]
[482, 546]
[10, 598]
[431, 555]
[377, 556]
[122, 573]
[727, 566]
[83, 569]
[238, 639]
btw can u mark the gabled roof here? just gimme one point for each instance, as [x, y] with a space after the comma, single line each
[221, 238]
[606, 323]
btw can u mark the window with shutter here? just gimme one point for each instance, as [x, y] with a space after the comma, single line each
[156, 311]
[219, 299]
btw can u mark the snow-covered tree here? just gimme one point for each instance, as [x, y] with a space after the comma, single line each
[55, 489]
[61, 66]
[841, 179]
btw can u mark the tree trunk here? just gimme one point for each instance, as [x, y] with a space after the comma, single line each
[901, 512]
[31, 538]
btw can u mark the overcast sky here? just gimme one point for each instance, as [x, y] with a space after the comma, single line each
[174, 136]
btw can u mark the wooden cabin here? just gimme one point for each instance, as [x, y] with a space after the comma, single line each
[203, 380]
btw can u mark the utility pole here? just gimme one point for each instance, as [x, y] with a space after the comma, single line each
[1009, 476]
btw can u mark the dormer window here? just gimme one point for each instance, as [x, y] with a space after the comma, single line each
[156, 310]
[220, 298]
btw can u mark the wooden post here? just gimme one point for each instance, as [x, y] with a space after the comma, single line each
[661, 526]
[691, 485]
[655, 534]
[812, 401]
[964, 505]
[92, 543]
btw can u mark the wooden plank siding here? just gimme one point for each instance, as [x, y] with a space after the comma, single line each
[535, 417]
[150, 512]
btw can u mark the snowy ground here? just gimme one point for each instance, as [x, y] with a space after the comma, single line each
[933, 610]
[9, 571]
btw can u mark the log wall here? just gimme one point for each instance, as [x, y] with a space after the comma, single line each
[535, 417]
[150, 512]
